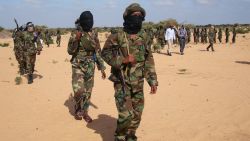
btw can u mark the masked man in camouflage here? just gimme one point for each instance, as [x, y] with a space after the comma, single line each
[85, 49]
[131, 60]
[32, 46]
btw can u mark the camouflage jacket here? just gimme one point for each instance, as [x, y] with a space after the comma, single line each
[87, 47]
[161, 33]
[220, 33]
[234, 32]
[31, 43]
[227, 33]
[115, 50]
[18, 41]
[58, 36]
[211, 36]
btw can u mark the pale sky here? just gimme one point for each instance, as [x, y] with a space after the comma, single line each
[63, 13]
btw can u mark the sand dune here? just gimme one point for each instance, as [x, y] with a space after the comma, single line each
[203, 96]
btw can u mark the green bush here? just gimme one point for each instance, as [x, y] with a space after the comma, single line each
[242, 30]
[18, 80]
[1, 28]
[4, 44]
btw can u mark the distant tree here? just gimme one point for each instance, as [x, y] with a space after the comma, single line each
[1, 28]
[148, 25]
[190, 26]
[168, 22]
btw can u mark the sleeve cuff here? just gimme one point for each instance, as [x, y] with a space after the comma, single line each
[153, 82]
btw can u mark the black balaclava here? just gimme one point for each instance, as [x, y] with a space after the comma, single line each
[86, 21]
[133, 24]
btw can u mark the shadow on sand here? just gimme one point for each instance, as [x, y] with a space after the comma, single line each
[105, 126]
[176, 53]
[70, 104]
[203, 50]
[243, 62]
[162, 53]
[37, 76]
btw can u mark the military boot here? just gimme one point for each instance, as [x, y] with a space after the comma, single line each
[30, 78]
[87, 118]
[131, 137]
[78, 113]
[22, 71]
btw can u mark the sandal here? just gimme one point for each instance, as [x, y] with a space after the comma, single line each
[78, 116]
[78, 113]
[87, 118]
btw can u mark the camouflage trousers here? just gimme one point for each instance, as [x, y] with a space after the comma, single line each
[161, 42]
[20, 57]
[220, 39]
[30, 63]
[130, 107]
[189, 39]
[82, 83]
[211, 45]
[156, 47]
[227, 39]
[205, 39]
[234, 39]
[150, 43]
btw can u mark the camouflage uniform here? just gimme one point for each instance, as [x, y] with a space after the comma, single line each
[189, 35]
[58, 39]
[220, 35]
[32, 46]
[129, 96]
[150, 33]
[234, 35]
[48, 39]
[85, 54]
[205, 36]
[194, 35]
[211, 35]
[197, 35]
[160, 39]
[215, 35]
[227, 35]
[19, 52]
[157, 45]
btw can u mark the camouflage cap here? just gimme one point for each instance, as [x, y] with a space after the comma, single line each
[134, 7]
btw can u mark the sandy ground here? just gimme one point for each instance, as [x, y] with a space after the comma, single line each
[203, 96]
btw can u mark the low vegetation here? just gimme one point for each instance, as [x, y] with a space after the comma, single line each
[4, 44]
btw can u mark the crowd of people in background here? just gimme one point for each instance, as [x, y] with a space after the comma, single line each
[171, 36]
